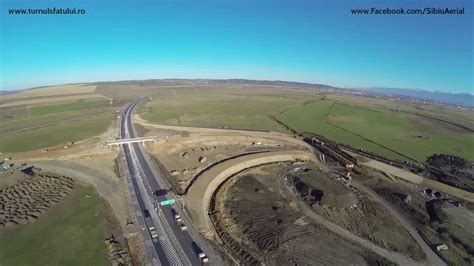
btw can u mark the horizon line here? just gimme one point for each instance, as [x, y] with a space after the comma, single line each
[249, 79]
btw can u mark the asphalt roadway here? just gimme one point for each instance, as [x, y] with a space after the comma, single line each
[175, 247]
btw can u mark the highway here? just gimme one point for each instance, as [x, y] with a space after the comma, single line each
[173, 246]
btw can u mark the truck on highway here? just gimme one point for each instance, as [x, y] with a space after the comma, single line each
[201, 255]
[151, 226]
[179, 220]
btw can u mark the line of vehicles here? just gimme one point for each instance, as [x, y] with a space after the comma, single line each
[179, 222]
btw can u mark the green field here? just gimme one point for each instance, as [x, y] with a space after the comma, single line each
[71, 233]
[391, 128]
[312, 118]
[52, 124]
[222, 109]
[56, 135]
[7, 114]
[361, 127]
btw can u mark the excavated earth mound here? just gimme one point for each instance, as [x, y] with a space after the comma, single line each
[26, 201]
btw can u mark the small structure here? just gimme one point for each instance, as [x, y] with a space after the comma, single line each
[3, 168]
[454, 203]
[442, 247]
[348, 175]
[407, 199]
[27, 170]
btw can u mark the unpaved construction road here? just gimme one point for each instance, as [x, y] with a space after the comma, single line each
[393, 256]
[432, 257]
[200, 193]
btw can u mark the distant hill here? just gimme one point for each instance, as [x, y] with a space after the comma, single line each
[249, 82]
[458, 99]
[7, 92]
[464, 99]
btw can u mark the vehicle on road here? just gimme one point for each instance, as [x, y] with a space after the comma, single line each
[151, 226]
[178, 218]
[160, 192]
[201, 255]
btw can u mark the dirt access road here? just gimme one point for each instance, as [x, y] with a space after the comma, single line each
[415, 179]
[200, 193]
[390, 255]
[285, 138]
[431, 256]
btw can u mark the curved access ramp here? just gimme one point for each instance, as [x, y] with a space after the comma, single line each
[200, 193]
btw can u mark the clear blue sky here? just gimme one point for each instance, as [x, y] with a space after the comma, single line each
[310, 41]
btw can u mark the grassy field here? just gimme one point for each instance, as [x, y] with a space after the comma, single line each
[395, 129]
[56, 135]
[380, 130]
[71, 233]
[55, 91]
[239, 109]
[8, 114]
[52, 124]
[403, 132]
[312, 118]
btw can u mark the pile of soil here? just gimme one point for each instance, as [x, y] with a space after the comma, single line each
[26, 201]
[117, 255]
[260, 225]
[451, 170]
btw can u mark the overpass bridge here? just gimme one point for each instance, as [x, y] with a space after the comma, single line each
[130, 140]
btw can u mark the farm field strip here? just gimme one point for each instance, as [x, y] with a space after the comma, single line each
[45, 125]
[380, 131]
[55, 135]
[54, 91]
[233, 110]
[19, 102]
[9, 114]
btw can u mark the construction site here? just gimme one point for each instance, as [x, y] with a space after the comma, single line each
[266, 210]
[252, 196]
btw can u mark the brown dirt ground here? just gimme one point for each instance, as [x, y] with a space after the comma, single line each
[259, 224]
[344, 205]
[185, 155]
[452, 228]
[25, 201]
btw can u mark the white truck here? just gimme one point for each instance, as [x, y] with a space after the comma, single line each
[178, 218]
[202, 256]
